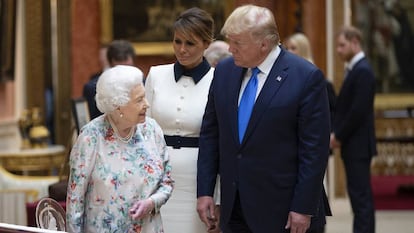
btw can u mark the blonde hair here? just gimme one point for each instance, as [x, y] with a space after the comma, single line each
[258, 21]
[302, 44]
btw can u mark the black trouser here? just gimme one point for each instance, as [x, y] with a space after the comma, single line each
[238, 224]
[358, 179]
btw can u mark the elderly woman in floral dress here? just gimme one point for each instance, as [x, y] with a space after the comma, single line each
[119, 165]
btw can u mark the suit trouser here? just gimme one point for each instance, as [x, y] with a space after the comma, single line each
[358, 175]
[238, 224]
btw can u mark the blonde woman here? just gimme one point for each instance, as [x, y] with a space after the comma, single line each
[299, 44]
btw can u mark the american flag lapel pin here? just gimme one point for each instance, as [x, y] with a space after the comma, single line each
[279, 78]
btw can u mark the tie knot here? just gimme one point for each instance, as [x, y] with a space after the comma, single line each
[255, 71]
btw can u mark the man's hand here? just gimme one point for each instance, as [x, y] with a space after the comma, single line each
[216, 227]
[298, 223]
[334, 143]
[206, 212]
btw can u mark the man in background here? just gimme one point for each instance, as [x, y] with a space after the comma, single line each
[353, 127]
[118, 52]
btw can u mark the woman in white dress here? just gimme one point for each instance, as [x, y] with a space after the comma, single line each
[177, 94]
[119, 165]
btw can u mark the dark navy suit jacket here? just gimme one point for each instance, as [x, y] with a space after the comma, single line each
[354, 115]
[89, 92]
[280, 165]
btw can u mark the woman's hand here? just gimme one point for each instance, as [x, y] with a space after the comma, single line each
[141, 209]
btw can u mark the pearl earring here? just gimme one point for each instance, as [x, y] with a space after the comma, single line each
[121, 115]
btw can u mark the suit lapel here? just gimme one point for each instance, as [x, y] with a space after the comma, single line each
[350, 78]
[237, 73]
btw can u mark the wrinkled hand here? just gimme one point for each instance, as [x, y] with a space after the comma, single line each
[206, 212]
[298, 223]
[141, 209]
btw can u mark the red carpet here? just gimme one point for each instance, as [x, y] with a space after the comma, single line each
[393, 192]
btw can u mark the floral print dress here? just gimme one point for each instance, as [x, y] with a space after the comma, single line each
[107, 176]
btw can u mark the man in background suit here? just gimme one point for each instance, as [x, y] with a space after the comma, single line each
[271, 176]
[353, 127]
[118, 52]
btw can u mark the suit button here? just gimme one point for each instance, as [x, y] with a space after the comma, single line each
[239, 156]
[234, 184]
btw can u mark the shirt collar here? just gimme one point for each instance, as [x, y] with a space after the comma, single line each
[267, 64]
[355, 60]
[197, 73]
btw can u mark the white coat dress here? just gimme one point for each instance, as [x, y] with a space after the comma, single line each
[178, 107]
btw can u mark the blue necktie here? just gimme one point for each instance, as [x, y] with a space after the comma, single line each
[247, 103]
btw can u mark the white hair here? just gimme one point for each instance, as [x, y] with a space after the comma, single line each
[114, 87]
[216, 51]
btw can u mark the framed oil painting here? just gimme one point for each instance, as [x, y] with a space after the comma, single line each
[148, 23]
[388, 34]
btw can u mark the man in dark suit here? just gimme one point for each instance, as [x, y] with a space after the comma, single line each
[353, 127]
[271, 176]
[118, 52]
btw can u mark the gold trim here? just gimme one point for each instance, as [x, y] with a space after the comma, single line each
[393, 101]
[33, 159]
[153, 48]
[106, 21]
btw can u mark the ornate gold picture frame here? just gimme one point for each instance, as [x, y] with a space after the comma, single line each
[150, 31]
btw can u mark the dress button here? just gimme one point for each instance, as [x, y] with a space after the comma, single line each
[178, 109]
[239, 156]
[182, 97]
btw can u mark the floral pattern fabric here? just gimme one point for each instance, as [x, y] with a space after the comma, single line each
[107, 176]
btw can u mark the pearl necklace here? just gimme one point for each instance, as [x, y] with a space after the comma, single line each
[125, 139]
